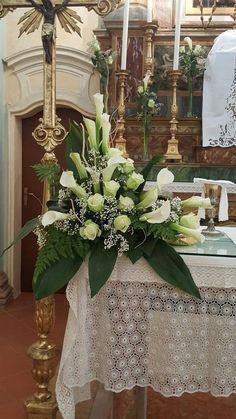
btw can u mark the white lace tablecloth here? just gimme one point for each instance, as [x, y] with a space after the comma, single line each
[138, 330]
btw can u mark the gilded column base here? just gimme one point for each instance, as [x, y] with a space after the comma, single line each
[173, 151]
[38, 410]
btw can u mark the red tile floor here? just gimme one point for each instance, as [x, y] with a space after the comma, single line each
[18, 333]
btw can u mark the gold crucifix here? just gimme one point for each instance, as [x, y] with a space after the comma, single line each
[49, 133]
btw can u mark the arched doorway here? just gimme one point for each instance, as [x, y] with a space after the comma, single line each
[32, 188]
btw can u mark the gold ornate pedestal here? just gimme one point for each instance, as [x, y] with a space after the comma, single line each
[44, 355]
[150, 30]
[120, 141]
[172, 153]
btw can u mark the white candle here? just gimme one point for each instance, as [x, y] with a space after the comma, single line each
[177, 34]
[149, 11]
[125, 35]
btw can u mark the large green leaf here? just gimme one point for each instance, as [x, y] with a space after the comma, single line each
[146, 170]
[55, 277]
[101, 264]
[171, 267]
[26, 229]
[139, 248]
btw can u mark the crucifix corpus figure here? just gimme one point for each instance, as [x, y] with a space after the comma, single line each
[47, 11]
[48, 28]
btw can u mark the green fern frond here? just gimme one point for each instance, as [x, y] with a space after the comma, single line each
[48, 172]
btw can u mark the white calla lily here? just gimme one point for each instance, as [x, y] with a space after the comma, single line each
[189, 42]
[145, 82]
[190, 220]
[164, 177]
[106, 128]
[68, 181]
[99, 106]
[75, 157]
[92, 137]
[196, 202]
[158, 216]
[112, 164]
[51, 216]
[192, 232]
[148, 198]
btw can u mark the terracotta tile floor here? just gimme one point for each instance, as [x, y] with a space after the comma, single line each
[18, 332]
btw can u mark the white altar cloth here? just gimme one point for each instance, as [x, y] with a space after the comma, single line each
[138, 330]
[218, 112]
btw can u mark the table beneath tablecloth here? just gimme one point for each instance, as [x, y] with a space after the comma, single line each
[139, 331]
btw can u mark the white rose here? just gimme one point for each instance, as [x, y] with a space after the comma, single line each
[125, 203]
[134, 181]
[111, 187]
[151, 103]
[96, 202]
[128, 166]
[114, 152]
[140, 90]
[90, 230]
[122, 223]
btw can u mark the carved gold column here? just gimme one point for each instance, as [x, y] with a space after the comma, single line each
[48, 134]
[172, 153]
[150, 29]
[120, 141]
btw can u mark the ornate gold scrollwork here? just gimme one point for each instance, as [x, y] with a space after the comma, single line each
[51, 136]
[104, 7]
[4, 10]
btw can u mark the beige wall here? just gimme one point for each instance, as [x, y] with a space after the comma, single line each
[13, 44]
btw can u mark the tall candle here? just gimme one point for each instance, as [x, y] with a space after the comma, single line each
[125, 35]
[177, 34]
[149, 11]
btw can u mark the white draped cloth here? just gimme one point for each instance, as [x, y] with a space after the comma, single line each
[138, 330]
[219, 93]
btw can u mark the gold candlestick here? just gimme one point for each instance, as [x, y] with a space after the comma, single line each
[120, 141]
[172, 150]
[150, 30]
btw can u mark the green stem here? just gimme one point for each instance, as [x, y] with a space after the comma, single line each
[145, 136]
[190, 98]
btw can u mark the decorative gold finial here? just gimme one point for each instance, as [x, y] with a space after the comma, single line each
[172, 153]
[150, 29]
[120, 141]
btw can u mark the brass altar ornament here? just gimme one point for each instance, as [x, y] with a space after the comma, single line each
[120, 141]
[213, 192]
[172, 153]
[150, 30]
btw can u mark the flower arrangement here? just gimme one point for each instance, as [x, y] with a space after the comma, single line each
[102, 60]
[147, 107]
[192, 62]
[102, 210]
